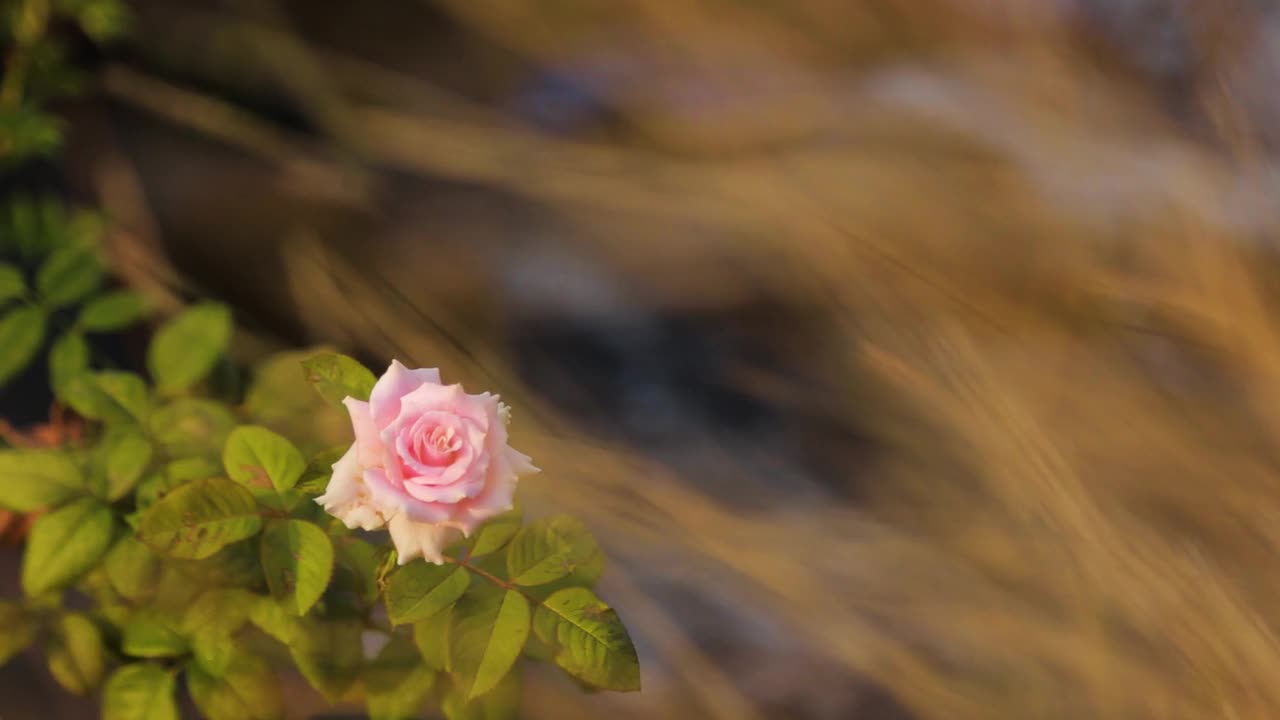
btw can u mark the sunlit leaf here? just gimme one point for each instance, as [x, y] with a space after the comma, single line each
[65, 544]
[549, 550]
[21, 332]
[35, 479]
[113, 311]
[69, 275]
[153, 634]
[431, 636]
[297, 558]
[263, 461]
[132, 568]
[420, 589]
[248, 690]
[497, 532]
[185, 349]
[200, 518]
[486, 640]
[76, 655]
[192, 426]
[68, 358]
[141, 691]
[337, 377]
[592, 643]
[127, 459]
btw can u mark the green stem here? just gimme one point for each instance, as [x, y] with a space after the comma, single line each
[504, 584]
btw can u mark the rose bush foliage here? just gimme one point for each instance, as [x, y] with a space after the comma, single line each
[183, 545]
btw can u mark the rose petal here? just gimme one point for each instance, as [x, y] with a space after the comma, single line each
[394, 384]
[424, 540]
[444, 398]
[345, 481]
[348, 499]
[496, 498]
[389, 496]
[368, 441]
[520, 463]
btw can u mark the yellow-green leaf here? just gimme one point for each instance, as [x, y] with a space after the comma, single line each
[64, 545]
[337, 377]
[200, 518]
[185, 349]
[113, 311]
[297, 558]
[420, 589]
[35, 479]
[76, 655]
[21, 332]
[487, 639]
[591, 642]
[141, 691]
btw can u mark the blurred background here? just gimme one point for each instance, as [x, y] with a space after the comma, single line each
[912, 359]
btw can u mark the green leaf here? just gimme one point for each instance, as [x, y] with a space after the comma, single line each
[21, 332]
[112, 396]
[191, 468]
[68, 358]
[132, 568]
[221, 608]
[64, 545]
[421, 589]
[271, 617]
[212, 622]
[128, 458]
[315, 479]
[113, 311]
[192, 426]
[360, 560]
[17, 630]
[236, 565]
[11, 283]
[549, 550]
[35, 479]
[487, 639]
[153, 634]
[69, 275]
[592, 644]
[141, 691]
[337, 377]
[247, 691]
[329, 655]
[76, 656]
[431, 635]
[396, 683]
[26, 132]
[502, 703]
[266, 463]
[496, 533]
[102, 20]
[185, 349]
[127, 390]
[200, 518]
[297, 558]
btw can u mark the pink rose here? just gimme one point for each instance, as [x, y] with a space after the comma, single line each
[429, 461]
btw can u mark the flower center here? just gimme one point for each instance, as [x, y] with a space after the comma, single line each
[438, 446]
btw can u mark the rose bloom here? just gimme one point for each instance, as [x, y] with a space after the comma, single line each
[429, 462]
